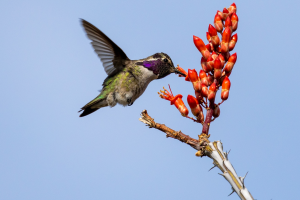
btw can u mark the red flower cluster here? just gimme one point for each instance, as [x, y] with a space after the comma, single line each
[217, 64]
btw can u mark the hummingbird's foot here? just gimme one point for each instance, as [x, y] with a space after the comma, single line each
[129, 101]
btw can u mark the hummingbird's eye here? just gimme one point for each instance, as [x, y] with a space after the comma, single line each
[165, 60]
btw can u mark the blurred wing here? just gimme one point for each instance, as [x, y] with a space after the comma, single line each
[109, 53]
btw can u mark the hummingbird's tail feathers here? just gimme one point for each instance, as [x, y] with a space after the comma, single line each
[88, 111]
[95, 104]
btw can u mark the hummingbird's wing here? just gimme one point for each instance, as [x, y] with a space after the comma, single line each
[111, 55]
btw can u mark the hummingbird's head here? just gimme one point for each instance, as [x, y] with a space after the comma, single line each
[160, 64]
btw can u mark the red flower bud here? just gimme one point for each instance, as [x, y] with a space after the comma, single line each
[217, 68]
[204, 90]
[226, 56]
[222, 59]
[228, 23]
[203, 78]
[194, 105]
[209, 47]
[208, 36]
[184, 72]
[212, 92]
[214, 36]
[201, 47]
[216, 112]
[225, 40]
[234, 20]
[210, 79]
[214, 55]
[218, 23]
[229, 65]
[233, 41]
[225, 14]
[209, 65]
[225, 88]
[232, 8]
[193, 76]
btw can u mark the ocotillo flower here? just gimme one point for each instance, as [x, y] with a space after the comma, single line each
[233, 41]
[228, 23]
[214, 55]
[209, 47]
[208, 36]
[210, 79]
[203, 78]
[225, 88]
[234, 20]
[212, 92]
[193, 76]
[232, 8]
[184, 72]
[207, 65]
[225, 40]
[222, 59]
[218, 23]
[195, 107]
[225, 14]
[217, 68]
[177, 101]
[214, 35]
[229, 65]
[201, 47]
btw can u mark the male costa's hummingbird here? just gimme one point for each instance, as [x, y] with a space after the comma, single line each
[127, 79]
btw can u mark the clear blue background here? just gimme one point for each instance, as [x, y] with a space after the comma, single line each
[49, 71]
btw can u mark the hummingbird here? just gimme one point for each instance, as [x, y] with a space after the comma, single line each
[127, 79]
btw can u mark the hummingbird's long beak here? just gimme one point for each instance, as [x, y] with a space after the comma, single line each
[179, 72]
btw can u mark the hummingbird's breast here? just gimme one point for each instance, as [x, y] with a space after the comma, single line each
[133, 84]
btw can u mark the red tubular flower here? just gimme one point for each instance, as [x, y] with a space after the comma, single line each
[210, 79]
[218, 23]
[225, 88]
[203, 78]
[209, 47]
[225, 40]
[208, 36]
[217, 68]
[193, 76]
[226, 56]
[209, 64]
[195, 107]
[214, 35]
[232, 8]
[204, 91]
[234, 20]
[229, 65]
[201, 47]
[184, 72]
[225, 14]
[233, 41]
[228, 23]
[177, 101]
[212, 92]
[214, 55]
[222, 59]
[216, 112]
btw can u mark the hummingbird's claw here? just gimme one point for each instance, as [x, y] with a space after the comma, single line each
[129, 101]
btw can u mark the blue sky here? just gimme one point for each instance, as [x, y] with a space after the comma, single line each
[49, 71]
